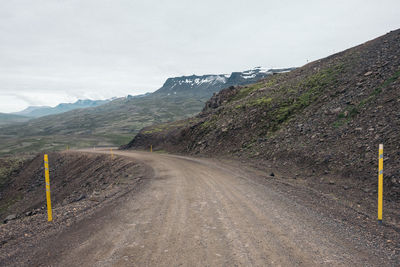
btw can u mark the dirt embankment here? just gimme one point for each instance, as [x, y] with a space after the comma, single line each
[80, 183]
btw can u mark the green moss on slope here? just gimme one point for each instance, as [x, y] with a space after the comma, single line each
[346, 116]
[306, 91]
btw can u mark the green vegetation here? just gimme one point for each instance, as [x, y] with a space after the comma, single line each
[7, 167]
[308, 91]
[240, 106]
[9, 202]
[111, 124]
[248, 90]
[282, 101]
[378, 90]
[261, 101]
[346, 116]
[208, 125]
[393, 78]
[158, 128]
[117, 139]
[15, 145]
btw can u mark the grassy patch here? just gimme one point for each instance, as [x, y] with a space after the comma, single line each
[7, 167]
[346, 116]
[207, 124]
[394, 77]
[261, 101]
[167, 126]
[9, 202]
[109, 124]
[378, 90]
[308, 91]
[210, 124]
[155, 130]
[240, 106]
[251, 88]
[117, 139]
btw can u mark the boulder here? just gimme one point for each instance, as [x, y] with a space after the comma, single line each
[10, 218]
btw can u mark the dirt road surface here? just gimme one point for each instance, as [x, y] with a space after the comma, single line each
[203, 212]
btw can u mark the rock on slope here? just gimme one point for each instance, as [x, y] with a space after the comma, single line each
[326, 117]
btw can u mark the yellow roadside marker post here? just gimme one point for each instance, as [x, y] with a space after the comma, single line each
[47, 180]
[151, 148]
[112, 154]
[380, 184]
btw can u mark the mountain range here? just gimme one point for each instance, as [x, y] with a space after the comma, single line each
[115, 122]
[209, 84]
[40, 111]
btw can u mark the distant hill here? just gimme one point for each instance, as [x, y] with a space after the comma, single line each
[116, 122]
[40, 111]
[32, 110]
[6, 118]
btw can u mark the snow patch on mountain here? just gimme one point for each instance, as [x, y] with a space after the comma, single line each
[201, 80]
[208, 84]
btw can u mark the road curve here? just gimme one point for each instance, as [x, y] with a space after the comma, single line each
[200, 212]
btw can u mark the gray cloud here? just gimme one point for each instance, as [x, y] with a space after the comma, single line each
[53, 51]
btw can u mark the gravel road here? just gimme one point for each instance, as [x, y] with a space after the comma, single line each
[204, 212]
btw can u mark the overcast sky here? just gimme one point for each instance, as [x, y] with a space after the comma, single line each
[54, 51]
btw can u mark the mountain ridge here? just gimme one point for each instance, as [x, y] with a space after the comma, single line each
[7, 118]
[211, 83]
[40, 111]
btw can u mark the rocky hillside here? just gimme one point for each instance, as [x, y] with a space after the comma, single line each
[325, 118]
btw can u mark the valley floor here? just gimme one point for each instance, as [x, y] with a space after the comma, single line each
[208, 212]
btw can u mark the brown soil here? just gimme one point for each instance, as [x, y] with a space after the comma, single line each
[80, 184]
[208, 212]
